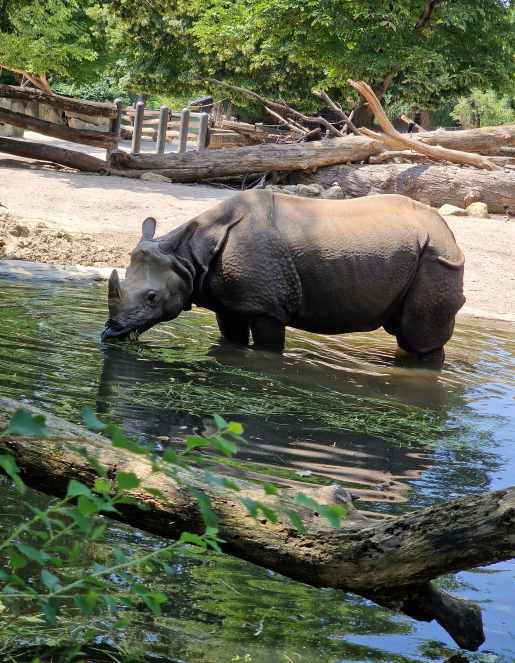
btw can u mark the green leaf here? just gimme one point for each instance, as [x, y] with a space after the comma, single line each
[268, 512]
[304, 499]
[82, 522]
[297, 522]
[252, 507]
[235, 428]
[86, 506]
[102, 487]
[210, 518]
[270, 489]
[225, 446]
[186, 537]
[76, 488]
[121, 557]
[50, 580]
[333, 513]
[157, 493]
[152, 604]
[17, 562]
[119, 440]
[50, 610]
[94, 581]
[8, 464]
[220, 421]
[90, 419]
[118, 623]
[170, 455]
[127, 480]
[39, 556]
[28, 425]
[193, 442]
[94, 463]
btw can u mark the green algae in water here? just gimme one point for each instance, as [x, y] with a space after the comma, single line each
[322, 408]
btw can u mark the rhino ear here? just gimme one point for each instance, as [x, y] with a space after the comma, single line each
[148, 229]
[178, 238]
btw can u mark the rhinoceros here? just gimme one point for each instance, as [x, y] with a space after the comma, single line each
[263, 261]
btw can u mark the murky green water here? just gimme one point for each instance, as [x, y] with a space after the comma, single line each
[399, 436]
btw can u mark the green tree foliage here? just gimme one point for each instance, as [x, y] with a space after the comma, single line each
[45, 39]
[283, 48]
[484, 108]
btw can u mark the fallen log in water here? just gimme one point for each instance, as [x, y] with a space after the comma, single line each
[33, 150]
[391, 563]
[436, 185]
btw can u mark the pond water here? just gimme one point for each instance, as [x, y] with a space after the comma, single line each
[342, 408]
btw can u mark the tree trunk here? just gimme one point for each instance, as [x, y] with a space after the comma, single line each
[363, 114]
[57, 101]
[70, 158]
[193, 166]
[81, 136]
[390, 562]
[438, 185]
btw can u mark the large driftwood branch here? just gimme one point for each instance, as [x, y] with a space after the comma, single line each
[81, 136]
[32, 150]
[58, 101]
[38, 81]
[437, 185]
[293, 127]
[391, 563]
[337, 109]
[439, 153]
[277, 106]
[193, 166]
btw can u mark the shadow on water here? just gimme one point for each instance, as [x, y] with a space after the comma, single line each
[341, 408]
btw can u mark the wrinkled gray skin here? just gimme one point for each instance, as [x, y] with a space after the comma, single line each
[262, 261]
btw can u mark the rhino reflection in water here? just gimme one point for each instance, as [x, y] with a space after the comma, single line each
[262, 261]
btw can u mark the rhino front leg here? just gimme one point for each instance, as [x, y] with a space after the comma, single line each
[267, 332]
[234, 327]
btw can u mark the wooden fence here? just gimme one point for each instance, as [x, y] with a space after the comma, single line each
[169, 124]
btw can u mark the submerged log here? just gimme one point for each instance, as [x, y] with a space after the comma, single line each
[439, 184]
[391, 563]
[60, 155]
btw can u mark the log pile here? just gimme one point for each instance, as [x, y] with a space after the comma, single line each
[437, 167]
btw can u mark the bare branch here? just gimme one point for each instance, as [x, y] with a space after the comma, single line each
[273, 104]
[439, 153]
[293, 127]
[325, 97]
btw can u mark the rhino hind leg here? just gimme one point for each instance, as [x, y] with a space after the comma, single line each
[425, 321]
[234, 327]
[267, 332]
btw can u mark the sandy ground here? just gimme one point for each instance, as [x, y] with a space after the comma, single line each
[101, 218]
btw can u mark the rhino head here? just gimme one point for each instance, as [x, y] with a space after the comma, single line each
[158, 284]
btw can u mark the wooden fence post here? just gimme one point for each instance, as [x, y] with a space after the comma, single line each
[161, 131]
[138, 126]
[183, 130]
[116, 123]
[202, 132]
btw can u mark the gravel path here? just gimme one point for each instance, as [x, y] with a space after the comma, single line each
[113, 209]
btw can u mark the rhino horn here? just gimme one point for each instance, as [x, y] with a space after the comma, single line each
[115, 291]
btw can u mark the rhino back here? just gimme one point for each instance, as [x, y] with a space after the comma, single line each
[355, 258]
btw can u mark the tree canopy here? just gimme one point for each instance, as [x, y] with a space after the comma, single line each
[422, 51]
[60, 38]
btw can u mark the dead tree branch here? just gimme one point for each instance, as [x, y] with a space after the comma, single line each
[337, 109]
[277, 106]
[438, 153]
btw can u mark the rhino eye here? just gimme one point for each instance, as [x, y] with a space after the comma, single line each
[151, 296]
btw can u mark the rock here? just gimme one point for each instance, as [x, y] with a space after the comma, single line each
[334, 192]
[49, 114]
[373, 193]
[309, 190]
[452, 210]
[155, 177]
[478, 209]
[424, 200]
[288, 189]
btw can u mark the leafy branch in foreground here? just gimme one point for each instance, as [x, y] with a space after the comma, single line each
[49, 540]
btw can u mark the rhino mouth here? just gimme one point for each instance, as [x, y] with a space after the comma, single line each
[114, 330]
